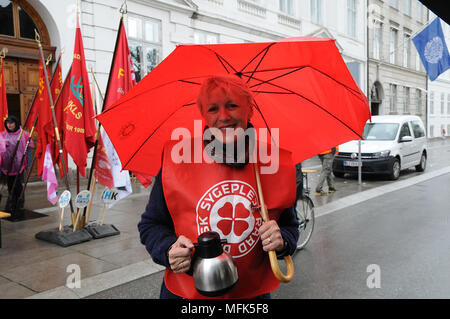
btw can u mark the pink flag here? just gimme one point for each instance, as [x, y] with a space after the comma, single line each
[48, 175]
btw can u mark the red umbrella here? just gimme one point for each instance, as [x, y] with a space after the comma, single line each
[301, 86]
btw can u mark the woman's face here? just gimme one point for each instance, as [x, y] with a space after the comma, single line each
[226, 111]
[11, 126]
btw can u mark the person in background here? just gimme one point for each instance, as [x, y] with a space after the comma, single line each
[299, 180]
[10, 165]
[326, 174]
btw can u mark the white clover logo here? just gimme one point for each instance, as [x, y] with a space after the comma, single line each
[434, 50]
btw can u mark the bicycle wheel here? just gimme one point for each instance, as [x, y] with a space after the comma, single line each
[305, 215]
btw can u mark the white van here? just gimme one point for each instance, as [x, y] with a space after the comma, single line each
[391, 143]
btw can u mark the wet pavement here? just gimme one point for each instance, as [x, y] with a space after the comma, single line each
[119, 266]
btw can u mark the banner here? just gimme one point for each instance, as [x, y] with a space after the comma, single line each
[44, 126]
[49, 176]
[78, 123]
[60, 121]
[432, 49]
[57, 82]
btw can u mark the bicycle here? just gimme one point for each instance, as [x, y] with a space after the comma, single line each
[305, 212]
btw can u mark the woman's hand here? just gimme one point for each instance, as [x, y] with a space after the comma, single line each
[180, 255]
[271, 236]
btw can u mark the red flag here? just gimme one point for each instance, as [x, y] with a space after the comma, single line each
[3, 101]
[121, 79]
[102, 166]
[79, 124]
[60, 121]
[44, 125]
[34, 108]
[57, 83]
[55, 87]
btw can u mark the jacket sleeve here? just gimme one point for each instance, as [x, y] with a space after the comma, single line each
[156, 227]
[288, 224]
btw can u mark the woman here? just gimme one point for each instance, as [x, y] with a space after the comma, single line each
[10, 164]
[220, 195]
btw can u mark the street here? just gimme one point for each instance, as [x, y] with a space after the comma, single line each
[394, 246]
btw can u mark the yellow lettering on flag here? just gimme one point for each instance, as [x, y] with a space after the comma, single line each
[121, 73]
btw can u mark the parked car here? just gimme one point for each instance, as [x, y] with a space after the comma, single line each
[391, 143]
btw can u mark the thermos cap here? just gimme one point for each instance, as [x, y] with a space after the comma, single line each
[209, 245]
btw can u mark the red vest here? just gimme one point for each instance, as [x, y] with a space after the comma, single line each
[202, 197]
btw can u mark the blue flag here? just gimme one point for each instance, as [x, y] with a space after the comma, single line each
[430, 43]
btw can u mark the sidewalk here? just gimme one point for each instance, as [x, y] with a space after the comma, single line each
[33, 268]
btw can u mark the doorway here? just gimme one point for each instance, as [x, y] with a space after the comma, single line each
[21, 65]
[375, 108]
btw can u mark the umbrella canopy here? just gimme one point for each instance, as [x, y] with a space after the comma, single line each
[300, 86]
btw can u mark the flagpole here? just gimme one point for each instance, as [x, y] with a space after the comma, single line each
[56, 102]
[37, 115]
[91, 180]
[52, 107]
[27, 177]
[97, 136]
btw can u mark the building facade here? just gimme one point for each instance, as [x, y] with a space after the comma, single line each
[397, 79]
[155, 27]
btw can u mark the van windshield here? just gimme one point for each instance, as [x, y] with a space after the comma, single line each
[380, 131]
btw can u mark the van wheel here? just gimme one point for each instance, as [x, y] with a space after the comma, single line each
[423, 163]
[395, 170]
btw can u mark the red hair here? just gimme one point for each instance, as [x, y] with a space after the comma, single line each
[231, 84]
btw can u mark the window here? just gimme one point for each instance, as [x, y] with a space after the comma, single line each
[351, 18]
[393, 46]
[405, 99]
[287, 6]
[10, 11]
[354, 68]
[418, 129]
[431, 130]
[377, 40]
[316, 11]
[419, 11]
[419, 101]
[27, 25]
[407, 7]
[380, 131]
[394, 3]
[393, 98]
[405, 131]
[417, 61]
[406, 50]
[6, 12]
[442, 103]
[203, 37]
[432, 103]
[145, 44]
[448, 104]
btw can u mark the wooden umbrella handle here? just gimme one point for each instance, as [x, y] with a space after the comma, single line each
[272, 255]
